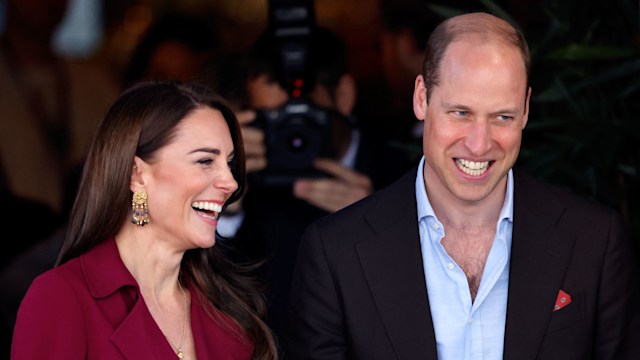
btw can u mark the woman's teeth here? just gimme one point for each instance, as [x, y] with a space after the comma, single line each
[207, 206]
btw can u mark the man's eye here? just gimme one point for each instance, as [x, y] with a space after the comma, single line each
[505, 117]
[462, 113]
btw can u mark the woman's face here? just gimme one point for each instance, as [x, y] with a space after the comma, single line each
[190, 179]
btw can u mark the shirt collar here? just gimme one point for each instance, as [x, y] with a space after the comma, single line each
[425, 209]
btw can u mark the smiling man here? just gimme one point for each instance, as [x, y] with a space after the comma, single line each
[466, 257]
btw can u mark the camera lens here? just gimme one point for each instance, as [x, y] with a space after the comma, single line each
[297, 143]
[295, 135]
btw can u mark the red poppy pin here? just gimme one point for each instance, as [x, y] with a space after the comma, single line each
[562, 300]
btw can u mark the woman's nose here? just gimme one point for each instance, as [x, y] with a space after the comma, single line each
[226, 182]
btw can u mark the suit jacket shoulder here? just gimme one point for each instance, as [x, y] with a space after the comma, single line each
[564, 242]
[373, 214]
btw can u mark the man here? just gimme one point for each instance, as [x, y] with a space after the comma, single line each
[273, 217]
[466, 257]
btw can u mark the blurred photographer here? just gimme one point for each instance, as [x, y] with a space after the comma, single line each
[274, 214]
[325, 127]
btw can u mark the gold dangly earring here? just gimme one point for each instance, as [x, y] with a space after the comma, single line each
[139, 209]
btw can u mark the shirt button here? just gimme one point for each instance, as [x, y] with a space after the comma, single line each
[451, 266]
[436, 227]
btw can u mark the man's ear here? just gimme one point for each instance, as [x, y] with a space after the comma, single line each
[419, 98]
[138, 169]
[525, 119]
[345, 97]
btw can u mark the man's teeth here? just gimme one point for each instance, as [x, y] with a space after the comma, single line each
[206, 205]
[473, 168]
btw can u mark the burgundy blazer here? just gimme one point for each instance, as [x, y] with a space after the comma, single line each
[91, 308]
[359, 290]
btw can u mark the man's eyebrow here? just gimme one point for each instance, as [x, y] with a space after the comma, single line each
[449, 105]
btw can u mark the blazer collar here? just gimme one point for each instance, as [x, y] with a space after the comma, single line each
[135, 333]
[392, 262]
[105, 270]
[540, 254]
[117, 294]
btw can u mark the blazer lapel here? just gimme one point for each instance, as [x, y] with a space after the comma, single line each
[116, 293]
[138, 336]
[540, 254]
[392, 263]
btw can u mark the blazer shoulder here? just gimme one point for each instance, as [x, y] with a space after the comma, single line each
[52, 302]
[60, 282]
[565, 208]
[373, 213]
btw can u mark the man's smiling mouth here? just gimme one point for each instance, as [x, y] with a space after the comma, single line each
[473, 168]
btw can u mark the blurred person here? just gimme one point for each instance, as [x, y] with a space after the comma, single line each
[176, 46]
[271, 220]
[35, 254]
[138, 275]
[49, 104]
[22, 214]
[466, 256]
[402, 30]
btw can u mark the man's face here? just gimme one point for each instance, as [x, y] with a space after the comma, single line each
[265, 94]
[474, 120]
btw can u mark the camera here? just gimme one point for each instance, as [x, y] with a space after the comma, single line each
[295, 134]
[299, 131]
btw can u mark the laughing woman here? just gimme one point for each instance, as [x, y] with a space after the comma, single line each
[138, 276]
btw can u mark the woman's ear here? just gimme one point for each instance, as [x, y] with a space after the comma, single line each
[138, 168]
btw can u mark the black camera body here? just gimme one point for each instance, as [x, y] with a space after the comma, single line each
[295, 135]
[299, 131]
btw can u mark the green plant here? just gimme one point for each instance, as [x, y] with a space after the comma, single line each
[584, 126]
[584, 130]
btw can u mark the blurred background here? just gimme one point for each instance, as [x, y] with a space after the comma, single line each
[584, 131]
[62, 62]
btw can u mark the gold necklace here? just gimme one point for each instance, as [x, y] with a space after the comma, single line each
[184, 324]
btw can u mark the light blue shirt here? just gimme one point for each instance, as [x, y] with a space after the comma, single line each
[465, 330]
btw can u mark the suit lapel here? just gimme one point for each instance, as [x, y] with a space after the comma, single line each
[540, 253]
[392, 263]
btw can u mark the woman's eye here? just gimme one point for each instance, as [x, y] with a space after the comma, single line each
[205, 161]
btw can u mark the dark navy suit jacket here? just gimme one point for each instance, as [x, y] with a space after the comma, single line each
[359, 290]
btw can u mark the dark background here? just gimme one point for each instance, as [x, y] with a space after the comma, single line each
[584, 125]
[583, 131]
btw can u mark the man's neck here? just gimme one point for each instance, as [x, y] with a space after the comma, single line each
[465, 214]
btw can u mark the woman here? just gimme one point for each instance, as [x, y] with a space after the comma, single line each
[138, 276]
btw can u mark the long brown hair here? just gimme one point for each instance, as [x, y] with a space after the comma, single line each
[141, 121]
